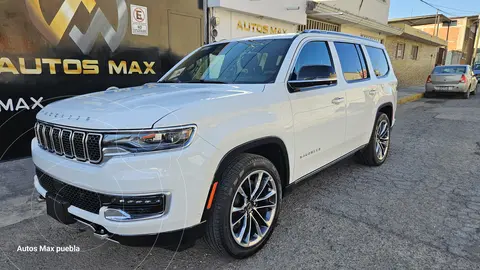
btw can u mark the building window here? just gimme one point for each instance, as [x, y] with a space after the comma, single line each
[319, 25]
[379, 40]
[400, 50]
[452, 23]
[414, 53]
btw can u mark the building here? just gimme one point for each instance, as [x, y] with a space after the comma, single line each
[414, 54]
[460, 32]
[242, 18]
[366, 18]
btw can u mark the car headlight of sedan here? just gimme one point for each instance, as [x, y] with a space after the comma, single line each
[148, 140]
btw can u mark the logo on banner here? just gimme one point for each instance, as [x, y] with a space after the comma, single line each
[55, 31]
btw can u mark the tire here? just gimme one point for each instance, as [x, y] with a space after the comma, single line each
[466, 95]
[428, 95]
[219, 233]
[368, 155]
[474, 92]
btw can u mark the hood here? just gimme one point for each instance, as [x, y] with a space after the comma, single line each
[136, 107]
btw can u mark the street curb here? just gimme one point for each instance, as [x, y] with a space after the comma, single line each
[410, 98]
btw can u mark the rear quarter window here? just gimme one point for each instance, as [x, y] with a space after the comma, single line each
[379, 61]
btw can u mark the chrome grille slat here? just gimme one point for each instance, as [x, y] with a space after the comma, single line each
[47, 136]
[78, 145]
[67, 143]
[78, 141]
[93, 146]
[56, 141]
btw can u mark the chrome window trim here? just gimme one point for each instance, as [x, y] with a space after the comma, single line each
[83, 145]
[99, 148]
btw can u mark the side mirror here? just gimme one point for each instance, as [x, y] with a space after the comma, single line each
[309, 76]
[297, 85]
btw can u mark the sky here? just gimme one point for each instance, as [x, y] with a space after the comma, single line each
[454, 8]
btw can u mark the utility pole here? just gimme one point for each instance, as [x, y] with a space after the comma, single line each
[475, 46]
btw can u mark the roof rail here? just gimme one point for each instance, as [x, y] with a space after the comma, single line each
[316, 31]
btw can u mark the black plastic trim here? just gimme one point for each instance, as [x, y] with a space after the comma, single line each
[242, 149]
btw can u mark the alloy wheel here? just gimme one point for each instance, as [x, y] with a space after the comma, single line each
[253, 208]
[382, 139]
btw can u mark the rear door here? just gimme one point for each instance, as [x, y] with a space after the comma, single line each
[360, 91]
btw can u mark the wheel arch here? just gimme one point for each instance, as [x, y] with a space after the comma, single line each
[266, 147]
[387, 108]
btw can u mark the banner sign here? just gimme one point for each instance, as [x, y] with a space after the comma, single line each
[51, 50]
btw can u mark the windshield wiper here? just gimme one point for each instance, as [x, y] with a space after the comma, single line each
[205, 81]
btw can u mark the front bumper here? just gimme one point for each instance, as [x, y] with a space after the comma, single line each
[186, 175]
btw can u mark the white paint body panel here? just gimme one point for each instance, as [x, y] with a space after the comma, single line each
[227, 116]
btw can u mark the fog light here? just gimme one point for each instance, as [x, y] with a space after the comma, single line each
[135, 208]
[117, 215]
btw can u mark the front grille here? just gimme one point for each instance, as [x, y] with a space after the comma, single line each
[83, 146]
[81, 198]
[92, 201]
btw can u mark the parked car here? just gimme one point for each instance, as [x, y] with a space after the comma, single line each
[476, 70]
[209, 149]
[451, 79]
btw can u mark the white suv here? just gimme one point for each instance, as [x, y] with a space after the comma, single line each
[210, 148]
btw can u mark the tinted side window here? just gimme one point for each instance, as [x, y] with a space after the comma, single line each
[379, 61]
[363, 61]
[314, 62]
[352, 66]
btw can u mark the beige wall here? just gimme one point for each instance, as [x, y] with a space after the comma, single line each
[373, 9]
[408, 71]
[351, 29]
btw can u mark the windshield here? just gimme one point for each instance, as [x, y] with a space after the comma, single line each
[476, 67]
[253, 61]
[450, 70]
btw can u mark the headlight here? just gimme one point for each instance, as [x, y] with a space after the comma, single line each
[150, 140]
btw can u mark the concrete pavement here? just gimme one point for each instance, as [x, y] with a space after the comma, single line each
[421, 210]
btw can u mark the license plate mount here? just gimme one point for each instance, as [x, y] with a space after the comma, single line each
[57, 208]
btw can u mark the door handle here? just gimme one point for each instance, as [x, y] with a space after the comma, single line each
[338, 100]
[372, 92]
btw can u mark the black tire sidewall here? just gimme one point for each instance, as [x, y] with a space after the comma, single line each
[229, 242]
[380, 117]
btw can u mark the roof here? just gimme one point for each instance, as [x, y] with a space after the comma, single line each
[409, 32]
[322, 11]
[310, 32]
[421, 20]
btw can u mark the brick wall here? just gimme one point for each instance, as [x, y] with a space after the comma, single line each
[408, 71]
